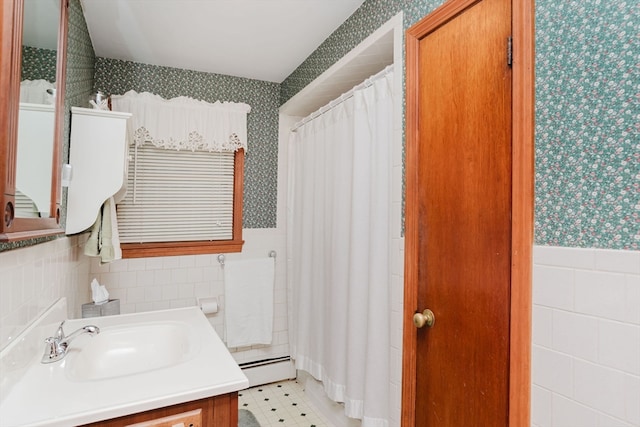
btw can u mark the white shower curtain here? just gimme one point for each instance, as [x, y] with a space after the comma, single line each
[339, 237]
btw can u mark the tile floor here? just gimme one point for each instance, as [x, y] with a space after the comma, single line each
[281, 404]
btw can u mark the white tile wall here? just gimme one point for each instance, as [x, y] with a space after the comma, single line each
[33, 278]
[145, 284]
[586, 338]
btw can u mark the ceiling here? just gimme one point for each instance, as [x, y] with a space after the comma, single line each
[40, 24]
[256, 39]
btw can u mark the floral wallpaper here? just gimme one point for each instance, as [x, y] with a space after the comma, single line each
[80, 61]
[364, 21]
[588, 124]
[79, 79]
[38, 63]
[261, 159]
[587, 112]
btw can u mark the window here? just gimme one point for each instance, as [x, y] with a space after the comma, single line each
[185, 177]
[182, 203]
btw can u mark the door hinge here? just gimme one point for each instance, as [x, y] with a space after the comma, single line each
[509, 51]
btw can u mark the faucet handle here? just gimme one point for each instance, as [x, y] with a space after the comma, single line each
[60, 332]
[52, 350]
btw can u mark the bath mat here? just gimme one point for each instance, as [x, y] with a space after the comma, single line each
[247, 419]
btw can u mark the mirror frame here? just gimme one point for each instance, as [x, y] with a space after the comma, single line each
[11, 228]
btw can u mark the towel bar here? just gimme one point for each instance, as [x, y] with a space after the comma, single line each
[272, 254]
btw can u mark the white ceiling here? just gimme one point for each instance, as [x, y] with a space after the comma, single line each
[40, 24]
[256, 39]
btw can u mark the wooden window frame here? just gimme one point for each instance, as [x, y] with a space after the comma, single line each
[157, 249]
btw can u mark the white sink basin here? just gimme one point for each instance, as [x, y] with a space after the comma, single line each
[129, 350]
[136, 363]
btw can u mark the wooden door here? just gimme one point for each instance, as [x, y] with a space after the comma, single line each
[459, 234]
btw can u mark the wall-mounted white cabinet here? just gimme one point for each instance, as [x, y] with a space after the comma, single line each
[98, 157]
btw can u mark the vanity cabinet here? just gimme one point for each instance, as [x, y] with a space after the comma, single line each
[218, 411]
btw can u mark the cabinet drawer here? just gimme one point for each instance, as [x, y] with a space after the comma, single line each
[185, 419]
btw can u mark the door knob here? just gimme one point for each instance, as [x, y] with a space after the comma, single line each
[425, 318]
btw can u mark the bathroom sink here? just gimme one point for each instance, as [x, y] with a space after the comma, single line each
[129, 350]
[138, 362]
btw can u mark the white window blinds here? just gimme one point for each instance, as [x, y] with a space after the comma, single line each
[177, 196]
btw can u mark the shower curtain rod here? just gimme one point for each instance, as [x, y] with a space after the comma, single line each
[339, 100]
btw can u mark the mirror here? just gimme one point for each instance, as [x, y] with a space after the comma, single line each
[33, 53]
[36, 117]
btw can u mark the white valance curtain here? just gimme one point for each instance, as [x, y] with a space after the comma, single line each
[37, 92]
[339, 244]
[184, 123]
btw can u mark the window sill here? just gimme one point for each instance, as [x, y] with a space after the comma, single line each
[147, 250]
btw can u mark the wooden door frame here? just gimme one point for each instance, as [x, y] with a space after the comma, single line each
[523, 116]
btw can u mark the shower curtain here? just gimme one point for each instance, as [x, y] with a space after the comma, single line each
[339, 237]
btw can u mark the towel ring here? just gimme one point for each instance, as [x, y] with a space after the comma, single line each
[272, 254]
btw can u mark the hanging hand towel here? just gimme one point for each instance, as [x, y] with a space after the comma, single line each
[248, 287]
[104, 240]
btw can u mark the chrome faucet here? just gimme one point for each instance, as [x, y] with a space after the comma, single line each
[56, 346]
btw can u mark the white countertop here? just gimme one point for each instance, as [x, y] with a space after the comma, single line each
[47, 395]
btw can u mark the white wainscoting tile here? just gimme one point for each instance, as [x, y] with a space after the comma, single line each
[575, 334]
[542, 332]
[619, 346]
[554, 287]
[632, 400]
[540, 406]
[618, 261]
[568, 413]
[552, 370]
[607, 421]
[632, 299]
[600, 294]
[600, 388]
[583, 258]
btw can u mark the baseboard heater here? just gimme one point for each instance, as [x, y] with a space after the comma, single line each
[269, 370]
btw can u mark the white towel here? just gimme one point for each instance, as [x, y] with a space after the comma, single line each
[104, 240]
[248, 295]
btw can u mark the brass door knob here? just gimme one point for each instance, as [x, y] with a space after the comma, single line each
[425, 318]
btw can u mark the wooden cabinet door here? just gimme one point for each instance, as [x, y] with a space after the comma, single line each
[218, 411]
